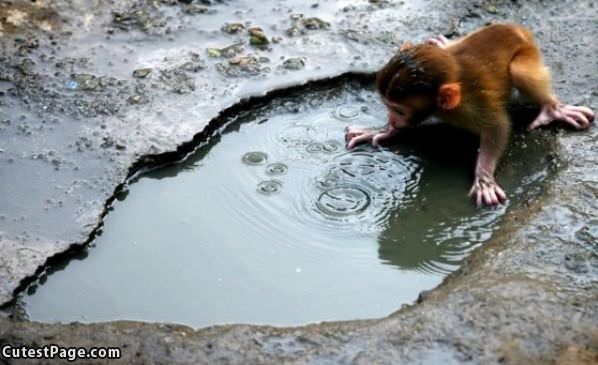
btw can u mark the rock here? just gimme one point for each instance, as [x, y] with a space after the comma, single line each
[227, 52]
[232, 28]
[85, 82]
[258, 40]
[137, 99]
[257, 37]
[293, 64]
[195, 9]
[26, 66]
[301, 24]
[142, 72]
[214, 52]
[315, 23]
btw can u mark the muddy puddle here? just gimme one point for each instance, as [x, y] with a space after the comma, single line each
[272, 221]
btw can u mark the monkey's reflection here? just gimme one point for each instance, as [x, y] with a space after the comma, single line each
[437, 228]
[411, 240]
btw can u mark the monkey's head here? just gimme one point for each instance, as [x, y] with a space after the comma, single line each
[416, 82]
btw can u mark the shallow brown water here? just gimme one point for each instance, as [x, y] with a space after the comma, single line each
[274, 222]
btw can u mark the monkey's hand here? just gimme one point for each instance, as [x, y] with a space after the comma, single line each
[439, 40]
[486, 191]
[355, 135]
[385, 134]
[579, 117]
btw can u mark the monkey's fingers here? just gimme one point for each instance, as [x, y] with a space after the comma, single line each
[500, 193]
[579, 117]
[479, 200]
[489, 197]
[439, 41]
[352, 132]
[354, 141]
[379, 137]
[476, 192]
[582, 109]
[487, 193]
[582, 115]
[355, 130]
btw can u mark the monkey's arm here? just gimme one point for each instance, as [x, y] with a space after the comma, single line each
[493, 140]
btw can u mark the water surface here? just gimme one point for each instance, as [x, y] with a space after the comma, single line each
[274, 222]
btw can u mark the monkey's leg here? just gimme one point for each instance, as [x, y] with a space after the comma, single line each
[493, 140]
[531, 77]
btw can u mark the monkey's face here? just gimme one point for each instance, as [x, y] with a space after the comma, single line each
[399, 115]
[408, 112]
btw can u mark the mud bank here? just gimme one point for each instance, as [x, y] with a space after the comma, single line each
[75, 120]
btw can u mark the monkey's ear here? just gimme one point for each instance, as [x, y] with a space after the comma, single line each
[449, 96]
[405, 46]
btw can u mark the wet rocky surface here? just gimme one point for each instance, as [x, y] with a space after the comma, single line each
[80, 112]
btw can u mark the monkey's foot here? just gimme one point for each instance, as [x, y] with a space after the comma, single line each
[579, 117]
[439, 40]
[487, 192]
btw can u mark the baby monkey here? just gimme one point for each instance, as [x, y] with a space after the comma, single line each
[467, 83]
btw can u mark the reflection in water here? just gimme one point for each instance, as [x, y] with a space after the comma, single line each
[275, 222]
[433, 232]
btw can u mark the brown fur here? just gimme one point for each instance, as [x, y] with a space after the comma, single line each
[467, 83]
[487, 64]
